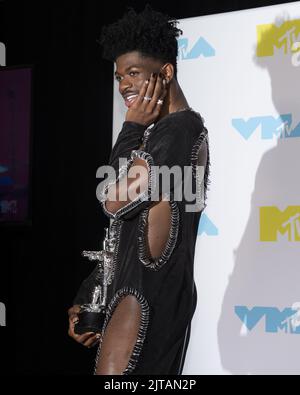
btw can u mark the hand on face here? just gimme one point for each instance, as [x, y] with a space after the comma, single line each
[147, 106]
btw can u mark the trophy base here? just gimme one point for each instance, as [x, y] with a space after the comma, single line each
[90, 322]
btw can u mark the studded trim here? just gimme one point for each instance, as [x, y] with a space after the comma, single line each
[144, 196]
[201, 182]
[145, 311]
[143, 251]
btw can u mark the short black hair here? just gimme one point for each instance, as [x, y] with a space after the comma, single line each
[149, 32]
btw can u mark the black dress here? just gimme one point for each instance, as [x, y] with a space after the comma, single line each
[163, 286]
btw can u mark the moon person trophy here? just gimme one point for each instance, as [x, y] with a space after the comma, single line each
[92, 315]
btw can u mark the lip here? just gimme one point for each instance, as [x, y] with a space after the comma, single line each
[130, 98]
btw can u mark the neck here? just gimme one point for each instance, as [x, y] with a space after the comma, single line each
[174, 101]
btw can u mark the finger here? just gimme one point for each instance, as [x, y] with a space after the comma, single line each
[73, 318]
[142, 93]
[160, 100]
[158, 97]
[158, 92]
[84, 337]
[72, 332]
[94, 344]
[72, 324]
[74, 309]
[79, 338]
[150, 90]
[92, 340]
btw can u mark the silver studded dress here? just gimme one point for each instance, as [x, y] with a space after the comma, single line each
[164, 286]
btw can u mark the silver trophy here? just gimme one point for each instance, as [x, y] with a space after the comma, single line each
[92, 315]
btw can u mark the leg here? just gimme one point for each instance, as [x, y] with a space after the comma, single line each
[120, 337]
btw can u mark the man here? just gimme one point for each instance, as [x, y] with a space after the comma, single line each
[151, 298]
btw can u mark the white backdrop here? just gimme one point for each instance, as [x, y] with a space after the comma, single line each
[241, 71]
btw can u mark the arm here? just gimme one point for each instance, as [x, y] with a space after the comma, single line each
[170, 144]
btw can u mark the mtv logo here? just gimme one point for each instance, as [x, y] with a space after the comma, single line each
[271, 127]
[275, 223]
[296, 55]
[275, 320]
[8, 207]
[201, 47]
[2, 55]
[272, 38]
[207, 226]
[2, 314]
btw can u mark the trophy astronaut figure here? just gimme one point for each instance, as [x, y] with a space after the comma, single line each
[92, 315]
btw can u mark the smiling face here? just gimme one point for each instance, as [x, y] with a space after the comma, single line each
[132, 69]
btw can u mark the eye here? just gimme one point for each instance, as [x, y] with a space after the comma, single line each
[133, 73]
[118, 78]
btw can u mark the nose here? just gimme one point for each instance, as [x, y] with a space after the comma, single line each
[124, 85]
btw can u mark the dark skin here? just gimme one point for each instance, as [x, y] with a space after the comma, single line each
[133, 71]
[145, 77]
[141, 76]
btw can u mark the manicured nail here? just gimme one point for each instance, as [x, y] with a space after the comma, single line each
[147, 82]
[154, 75]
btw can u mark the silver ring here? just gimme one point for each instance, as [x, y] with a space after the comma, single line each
[148, 98]
[160, 101]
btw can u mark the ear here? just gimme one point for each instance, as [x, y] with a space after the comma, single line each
[168, 71]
